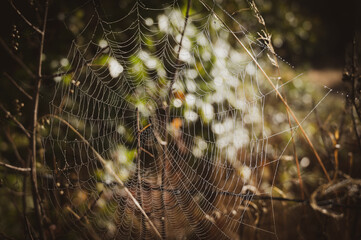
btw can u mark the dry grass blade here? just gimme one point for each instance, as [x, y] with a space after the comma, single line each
[266, 38]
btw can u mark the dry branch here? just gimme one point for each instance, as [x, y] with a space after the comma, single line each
[24, 18]
[35, 191]
[18, 86]
[8, 114]
[18, 169]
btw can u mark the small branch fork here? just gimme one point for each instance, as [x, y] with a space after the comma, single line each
[33, 133]
[274, 87]
[25, 19]
[139, 133]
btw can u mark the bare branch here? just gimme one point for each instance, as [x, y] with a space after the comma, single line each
[147, 152]
[8, 114]
[18, 86]
[18, 169]
[16, 151]
[24, 18]
[35, 191]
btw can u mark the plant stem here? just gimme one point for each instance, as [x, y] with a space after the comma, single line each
[36, 198]
[140, 197]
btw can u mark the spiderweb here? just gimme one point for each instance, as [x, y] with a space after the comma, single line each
[158, 126]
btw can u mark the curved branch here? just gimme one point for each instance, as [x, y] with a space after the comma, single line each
[18, 169]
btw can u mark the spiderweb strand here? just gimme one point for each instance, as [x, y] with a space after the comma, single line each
[278, 93]
[110, 170]
[157, 127]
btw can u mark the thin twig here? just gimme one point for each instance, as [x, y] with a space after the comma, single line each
[3, 236]
[355, 127]
[36, 197]
[18, 86]
[259, 197]
[334, 139]
[29, 228]
[274, 87]
[140, 193]
[147, 152]
[91, 206]
[90, 234]
[178, 53]
[296, 158]
[13, 145]
[108, 169]
[140, 131]
[322, 130]
[17, 59]
[18, 169]
[24, 18]
[8, 114]
[27, 232]
[73, 213]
